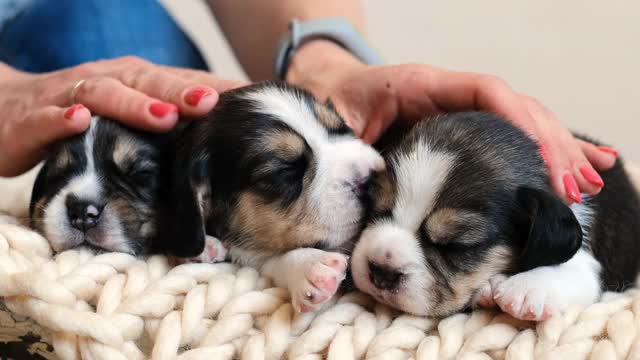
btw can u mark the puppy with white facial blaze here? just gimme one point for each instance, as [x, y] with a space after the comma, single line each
[279, 179]
[101, 189]
[465, 216]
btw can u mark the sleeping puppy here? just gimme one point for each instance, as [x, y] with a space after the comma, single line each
[106, 189]
[279, 179]
[466, 201]
[101, 189]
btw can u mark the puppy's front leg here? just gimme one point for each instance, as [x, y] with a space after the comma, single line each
[311, 275]
[539, 293]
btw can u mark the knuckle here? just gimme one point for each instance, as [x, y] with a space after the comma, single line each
[133, 61]
[494, 81]
[133, 77]
[171, 93]
[91, 85]
[83, 71]
[532, 101]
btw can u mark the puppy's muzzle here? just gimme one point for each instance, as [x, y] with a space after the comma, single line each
[83, 214]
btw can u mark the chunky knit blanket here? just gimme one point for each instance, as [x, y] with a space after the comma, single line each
[115, 306]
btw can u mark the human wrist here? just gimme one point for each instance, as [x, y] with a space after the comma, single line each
[317, 58]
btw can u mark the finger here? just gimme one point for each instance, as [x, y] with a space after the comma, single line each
[27, 140]
[206, 78]
[109, 97]
[570, 184]
[586, 177]
[599, 158]
[379, 122]
[459, 91]
[570, 173]
[192, 98]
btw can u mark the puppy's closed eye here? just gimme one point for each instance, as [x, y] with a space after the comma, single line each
[280, 179]
[143, 174]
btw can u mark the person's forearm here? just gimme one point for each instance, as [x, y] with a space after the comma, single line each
[254, 27]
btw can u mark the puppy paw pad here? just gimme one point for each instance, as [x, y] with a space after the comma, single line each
[525, 300]
[322, 278]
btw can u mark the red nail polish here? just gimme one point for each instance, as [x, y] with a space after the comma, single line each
[571, 187]
[69, 113]
[608, 150]
[592, 176]
[193, 97]
[160, 109]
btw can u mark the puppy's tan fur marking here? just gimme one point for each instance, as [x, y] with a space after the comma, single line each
[132, 217]
[449, 224]
[328, 117]
[124, 151]
[272, 228]
[465, 284]
[37, 219]
[285, 145]
[63, 159]
[385, 192]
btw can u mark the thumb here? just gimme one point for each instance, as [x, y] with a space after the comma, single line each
[26, 141]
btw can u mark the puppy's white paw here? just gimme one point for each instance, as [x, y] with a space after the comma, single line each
[213, 252]
[544, 291]
[527, 296]
[316, 280]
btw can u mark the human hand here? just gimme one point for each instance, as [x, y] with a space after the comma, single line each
[37, 110]
[370, 98]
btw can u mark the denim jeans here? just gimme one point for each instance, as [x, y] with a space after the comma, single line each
[47, 35]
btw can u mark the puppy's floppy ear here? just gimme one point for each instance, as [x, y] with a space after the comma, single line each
[548, 229]
[182, 231]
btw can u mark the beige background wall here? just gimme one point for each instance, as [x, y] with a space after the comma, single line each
[580, 57]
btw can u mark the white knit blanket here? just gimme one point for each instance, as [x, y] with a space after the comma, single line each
[115, 306]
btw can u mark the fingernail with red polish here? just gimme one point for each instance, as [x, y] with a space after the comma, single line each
[70, 111]
[193, 96]
[608, 150]
[592, 176]
[571, 187]
[160, 109]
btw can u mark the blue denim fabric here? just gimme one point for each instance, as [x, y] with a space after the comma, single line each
[47, 35]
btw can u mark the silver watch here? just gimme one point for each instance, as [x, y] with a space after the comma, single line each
[336, 29]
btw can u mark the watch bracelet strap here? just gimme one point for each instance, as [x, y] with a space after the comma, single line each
[336, 29]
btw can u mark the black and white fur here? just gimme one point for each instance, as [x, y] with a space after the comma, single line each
[465, 216]
[102, 189]
[278, 178]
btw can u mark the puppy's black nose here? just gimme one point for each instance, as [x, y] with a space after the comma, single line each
[383, 277]
[83, 215]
